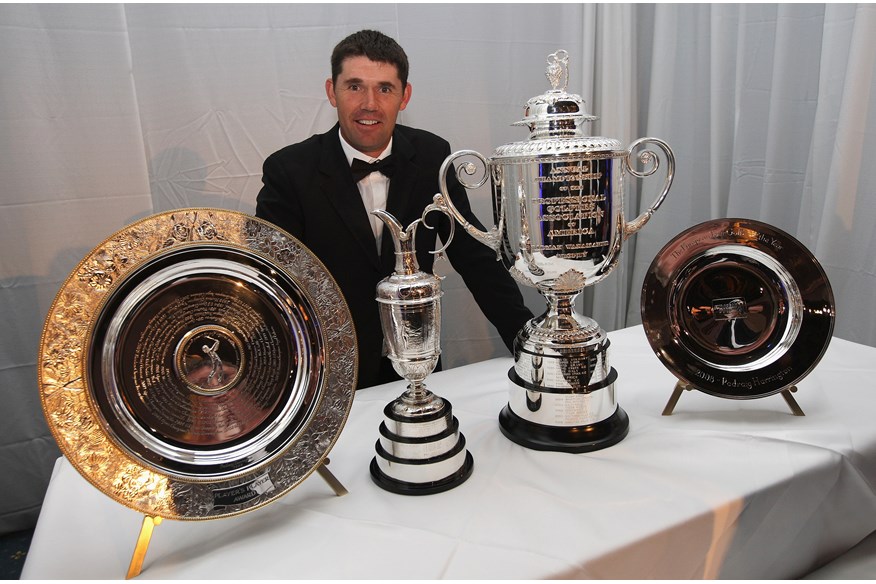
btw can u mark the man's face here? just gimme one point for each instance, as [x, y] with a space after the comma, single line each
[368, 95]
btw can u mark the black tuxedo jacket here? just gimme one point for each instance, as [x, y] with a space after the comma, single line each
[309, 192]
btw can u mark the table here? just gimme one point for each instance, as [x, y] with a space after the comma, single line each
[719, 489]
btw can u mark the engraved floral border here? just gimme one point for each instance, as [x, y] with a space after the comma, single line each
[73, 418]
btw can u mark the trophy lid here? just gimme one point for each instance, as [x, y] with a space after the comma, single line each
[555, 119]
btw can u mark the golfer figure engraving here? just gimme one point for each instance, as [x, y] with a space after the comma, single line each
[216, 376]
[209, 359]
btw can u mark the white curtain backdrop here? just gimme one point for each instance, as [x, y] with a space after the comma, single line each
[112, 112]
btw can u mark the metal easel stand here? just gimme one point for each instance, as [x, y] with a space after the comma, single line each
[149, 522]
[681, 387]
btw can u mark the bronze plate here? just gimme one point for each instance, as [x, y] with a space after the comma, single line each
[197, 364]
[737, 308]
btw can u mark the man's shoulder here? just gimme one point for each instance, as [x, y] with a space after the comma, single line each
[423, 142]
[307, 149]
[420, 136]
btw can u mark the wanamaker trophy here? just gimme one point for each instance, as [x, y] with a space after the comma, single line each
[420, 450]
[559, 213]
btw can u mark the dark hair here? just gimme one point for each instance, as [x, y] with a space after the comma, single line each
[374, 45]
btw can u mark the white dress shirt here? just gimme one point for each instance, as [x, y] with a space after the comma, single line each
[373, 188]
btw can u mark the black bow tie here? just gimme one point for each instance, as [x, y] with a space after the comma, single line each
[361, 169]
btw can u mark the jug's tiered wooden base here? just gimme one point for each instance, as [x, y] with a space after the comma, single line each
[681, 387]
[150, 522]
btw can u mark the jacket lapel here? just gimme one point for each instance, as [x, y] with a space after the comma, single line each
[401, 187]
[340, 190]
[403, 181]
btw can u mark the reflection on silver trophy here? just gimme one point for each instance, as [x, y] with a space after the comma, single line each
[559, 214]
[420, 450]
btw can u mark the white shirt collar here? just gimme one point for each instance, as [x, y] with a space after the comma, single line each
[352, 153]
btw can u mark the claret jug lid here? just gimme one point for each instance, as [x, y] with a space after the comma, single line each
[556, 120]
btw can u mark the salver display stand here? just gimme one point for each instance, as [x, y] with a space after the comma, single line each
[681, 387]
[150, 522]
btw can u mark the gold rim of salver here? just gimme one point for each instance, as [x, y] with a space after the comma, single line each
[64, 368]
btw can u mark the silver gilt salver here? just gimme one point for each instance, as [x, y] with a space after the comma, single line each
[198, 364]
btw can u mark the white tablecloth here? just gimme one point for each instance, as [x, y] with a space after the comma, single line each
[721, 488]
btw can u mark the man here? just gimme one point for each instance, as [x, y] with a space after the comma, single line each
[310, 191]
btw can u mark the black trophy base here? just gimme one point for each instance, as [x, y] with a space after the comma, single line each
[392, 485]
[576, 439]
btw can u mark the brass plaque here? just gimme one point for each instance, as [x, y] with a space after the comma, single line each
[197, 364]
[737, 308]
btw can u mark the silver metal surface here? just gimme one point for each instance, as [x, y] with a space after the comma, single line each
[408, 426]
[418, 471]
[420, 442]
[558, 202]
[561, 353]
[563, 410]
[211, 430]
[197, 364]
[737, 308]
[762, 327]
[410, 315]
[421, 449]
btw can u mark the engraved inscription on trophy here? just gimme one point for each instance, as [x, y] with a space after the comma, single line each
[569, 409]
[572, 207]
[240, 494]
[729, 308]
[576, 370]
[736, 233]
[195, 384]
